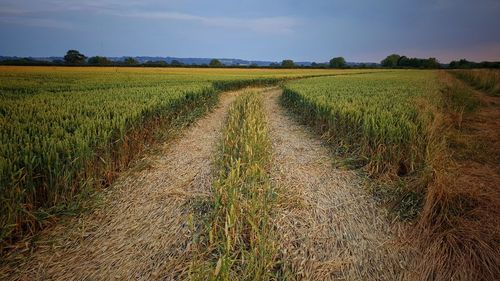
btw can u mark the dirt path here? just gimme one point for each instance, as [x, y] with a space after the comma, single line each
[329, 227]
[142, 232]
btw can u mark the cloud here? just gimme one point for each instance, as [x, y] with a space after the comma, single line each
[45, 12]
[36, 22]
[278, 25]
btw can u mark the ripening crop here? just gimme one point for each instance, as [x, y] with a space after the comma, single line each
[385, 118]
[66, 129]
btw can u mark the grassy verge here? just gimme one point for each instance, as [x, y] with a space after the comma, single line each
[458, 231]
[238, 243]
[487, 80]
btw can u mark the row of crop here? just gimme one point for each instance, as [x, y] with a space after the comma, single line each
[31, 80]
[377, 116]
[238, 244]
[55, 145]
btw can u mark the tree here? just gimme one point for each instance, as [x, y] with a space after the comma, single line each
[337, 62]
[463, 63]
[404, 61]
[431, 63]
[130, 61]
[97, 60]
[175, 63]
[391, 60]
[287, 64]
[215, 63]
[74, 57]
[159, 63]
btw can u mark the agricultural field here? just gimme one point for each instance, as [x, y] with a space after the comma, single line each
[253, 174]
[436, 139]
[384, 118]
[68, 129]
[384, 122]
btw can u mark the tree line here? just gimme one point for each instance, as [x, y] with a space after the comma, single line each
[395, 60]
[398, 61]
[74, 57]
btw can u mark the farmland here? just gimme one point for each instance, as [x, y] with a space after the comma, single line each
[64, 130]
[384, 122]
[420, 129]
[378, 116]
[230, 198]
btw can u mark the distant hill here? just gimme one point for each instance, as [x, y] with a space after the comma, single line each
[199, 61]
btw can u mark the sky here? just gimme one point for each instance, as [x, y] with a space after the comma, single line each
[302, 30]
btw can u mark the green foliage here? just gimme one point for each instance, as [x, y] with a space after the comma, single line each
[338, 62]
[215, 63]
[159, 63]
[287, 64]
[27, 61]
[175, 63]
[97, 60]
[74, 57]
[465, 64]
[130, 61]
[418, 63]
[391, 60]
[396, 60]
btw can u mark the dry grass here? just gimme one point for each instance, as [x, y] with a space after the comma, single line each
[487, 80]
[459, 230]
[330, 228]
